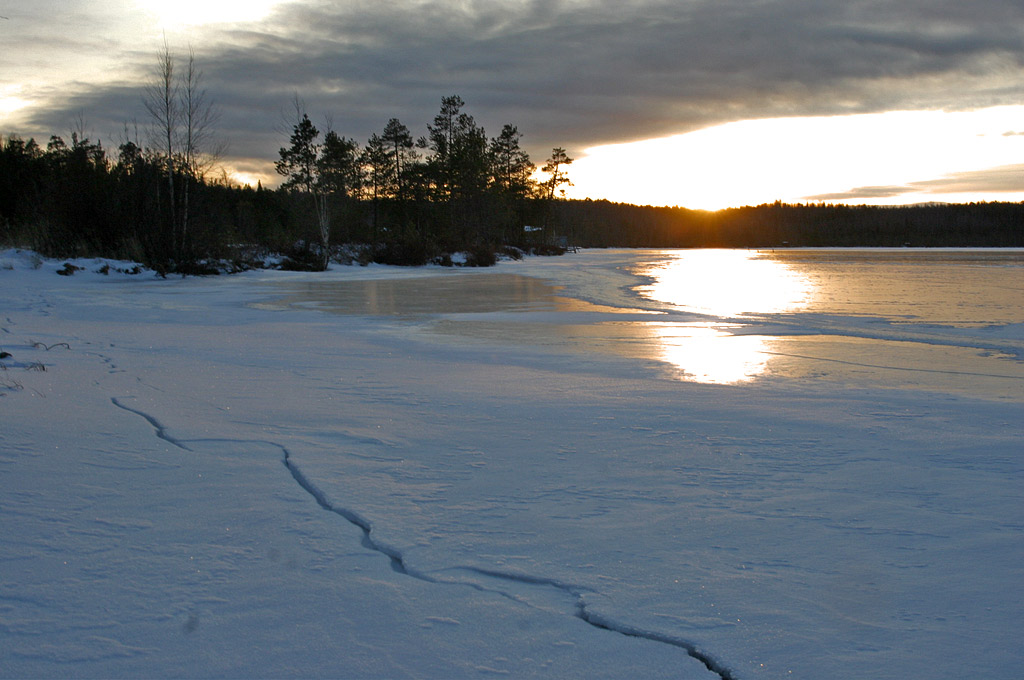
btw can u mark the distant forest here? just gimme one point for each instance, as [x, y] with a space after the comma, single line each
[774, 225]
[394, 199]
[71, 199]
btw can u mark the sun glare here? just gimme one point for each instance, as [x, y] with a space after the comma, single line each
[794, 159]
[244, 179]
[10, 101]
[9, 105]
[725, 283]
[704, 354]
[176, 13]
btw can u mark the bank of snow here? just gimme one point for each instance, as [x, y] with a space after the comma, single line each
[199, 486]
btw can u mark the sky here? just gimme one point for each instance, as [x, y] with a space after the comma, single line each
[699, 103]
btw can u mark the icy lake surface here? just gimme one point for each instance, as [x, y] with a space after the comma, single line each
[656, 464]
[926, 318]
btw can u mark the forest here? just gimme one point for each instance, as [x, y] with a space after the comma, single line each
[395, 199]
[388, 203]
[776, 225]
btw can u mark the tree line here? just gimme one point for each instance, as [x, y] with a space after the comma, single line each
[774, 225]
[398, 200]
[72, 198]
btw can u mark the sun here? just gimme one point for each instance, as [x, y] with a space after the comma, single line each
[176, 13]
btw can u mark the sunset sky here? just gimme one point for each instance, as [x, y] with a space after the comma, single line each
[699, 103]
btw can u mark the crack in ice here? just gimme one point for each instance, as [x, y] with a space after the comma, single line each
[399, 565]
[397, 562]
[605, 623]
[161, 430]
[577, 592]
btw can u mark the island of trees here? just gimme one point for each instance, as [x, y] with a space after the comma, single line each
[394, 199]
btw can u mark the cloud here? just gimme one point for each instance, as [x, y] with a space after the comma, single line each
[1002, 179]
[579, 73]
[861, 194]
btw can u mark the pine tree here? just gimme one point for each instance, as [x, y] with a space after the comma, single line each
[300, 164]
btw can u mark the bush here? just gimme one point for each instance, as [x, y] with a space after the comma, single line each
[405, 252]
[481, 256]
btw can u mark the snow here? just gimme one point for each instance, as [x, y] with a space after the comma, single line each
[247, 476]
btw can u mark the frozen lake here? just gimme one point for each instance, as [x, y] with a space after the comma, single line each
[661, 464]
[946, 320]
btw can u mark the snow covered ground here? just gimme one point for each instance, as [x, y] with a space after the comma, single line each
[219, 477]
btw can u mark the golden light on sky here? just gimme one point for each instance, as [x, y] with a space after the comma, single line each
[244, 179]
[627, 73]
[797, 159]
[10, 101]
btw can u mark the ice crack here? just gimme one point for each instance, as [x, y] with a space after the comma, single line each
[574, 591]
[709, 662]
[598, 621]
[397, 561]
[399, 565]
[161, 430]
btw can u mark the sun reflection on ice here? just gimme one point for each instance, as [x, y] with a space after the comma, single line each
[727, 284]
[710, 354]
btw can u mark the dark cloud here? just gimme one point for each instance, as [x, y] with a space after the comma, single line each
[578, 73]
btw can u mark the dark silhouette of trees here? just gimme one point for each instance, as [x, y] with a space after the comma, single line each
[401, 156]
[378, 178]
[303, 164]
[511, 182]
[393, 200]
[556, 169]
[459, 167]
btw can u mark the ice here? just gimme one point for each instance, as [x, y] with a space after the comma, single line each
[213, 478]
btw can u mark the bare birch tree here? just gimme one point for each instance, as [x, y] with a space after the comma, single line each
[183, 121]
[200, 151]
[161, 102]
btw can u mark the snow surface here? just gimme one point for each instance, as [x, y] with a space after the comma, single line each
[212, 478]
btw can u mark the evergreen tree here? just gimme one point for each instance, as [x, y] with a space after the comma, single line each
[339, 166]
[377, 171]
[300, 164]
[459, 165]
[401, 156]
[555, 167]
[512, 181]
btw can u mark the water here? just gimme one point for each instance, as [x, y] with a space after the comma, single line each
[943, 320]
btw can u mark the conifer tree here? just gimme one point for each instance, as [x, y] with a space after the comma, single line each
[300, 164]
